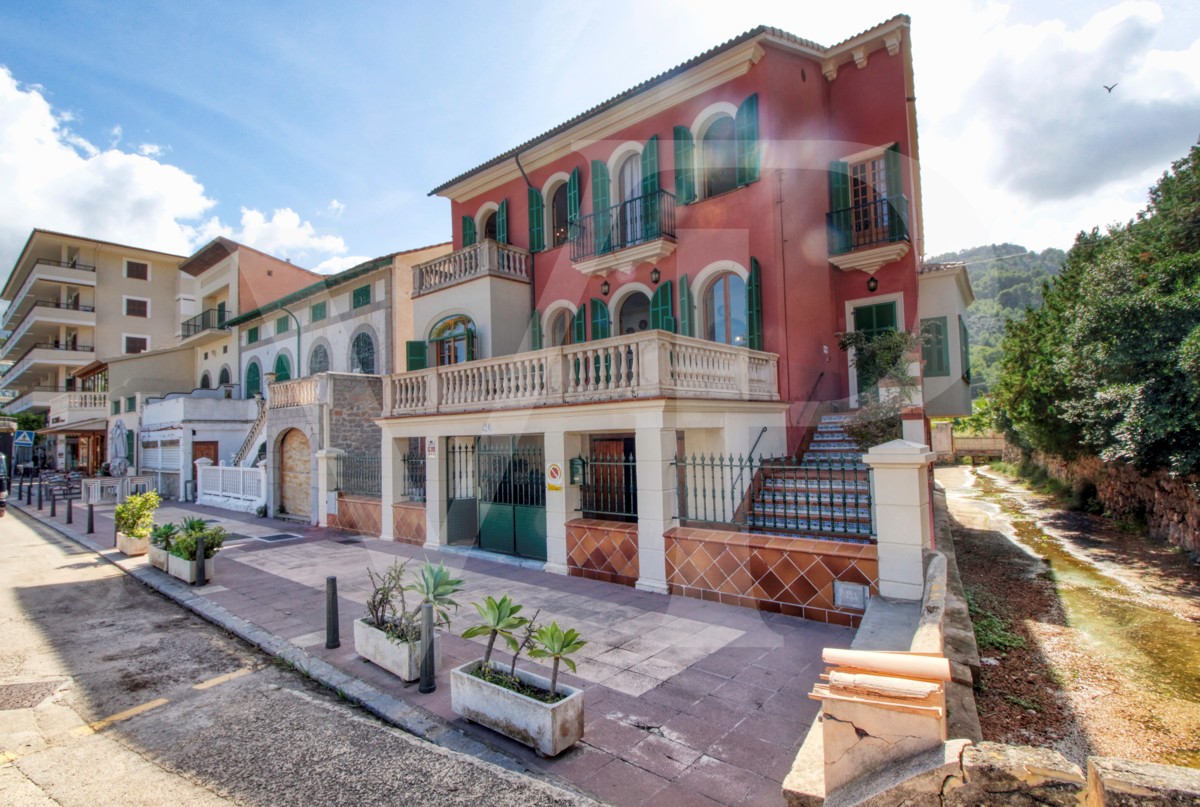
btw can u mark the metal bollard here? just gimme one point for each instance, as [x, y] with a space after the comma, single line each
[333, 637]
[40, 488]
[91, 518]
[29, 493]
[428, 684]
[70, 511]
[201, 580]
[53, 503]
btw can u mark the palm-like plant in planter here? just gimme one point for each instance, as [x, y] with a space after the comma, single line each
[160, 544]
[539, 712]
[182, 560]
[134, 518]
[390, 634]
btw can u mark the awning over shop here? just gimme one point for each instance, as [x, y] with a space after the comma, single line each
[83, 426]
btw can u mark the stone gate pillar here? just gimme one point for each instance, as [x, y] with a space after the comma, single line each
[900, 505]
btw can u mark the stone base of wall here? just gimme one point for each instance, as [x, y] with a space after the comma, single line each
[603, 550]
[408, 523]
[792, 576]
[361, 514]
[1170, 504]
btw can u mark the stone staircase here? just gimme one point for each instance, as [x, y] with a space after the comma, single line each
[824, 493]
[255, 433]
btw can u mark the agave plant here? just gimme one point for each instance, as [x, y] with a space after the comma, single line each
[163, 534]
[555, 643]
[436, 586]
[499, 620]
[191, 525]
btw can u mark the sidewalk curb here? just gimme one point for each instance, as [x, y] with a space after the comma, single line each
[413, 719]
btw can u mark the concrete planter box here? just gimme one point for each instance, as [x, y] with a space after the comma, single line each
[548, 728]
[130, 546]
[401, 660]
[185, 570]
[158, 557]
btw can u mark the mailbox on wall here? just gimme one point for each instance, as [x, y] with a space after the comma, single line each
[578, 470]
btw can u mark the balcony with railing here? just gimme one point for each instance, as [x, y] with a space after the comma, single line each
[296, 392]
[70, 354]
[35, 400]
[637, 230]
[649, 364]
[212, 319]
[869, 235]
[487, 258]
[74, 407]
[51, 313]
[71, 273]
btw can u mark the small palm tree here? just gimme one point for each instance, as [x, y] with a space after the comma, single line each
[555, 643]
[436, 586]
[499, 619]
[191, 525]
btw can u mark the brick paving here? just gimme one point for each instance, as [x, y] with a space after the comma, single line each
[686, 702]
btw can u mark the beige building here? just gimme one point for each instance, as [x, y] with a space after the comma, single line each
[75, 300]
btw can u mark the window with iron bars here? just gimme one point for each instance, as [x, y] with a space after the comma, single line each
[609, 491]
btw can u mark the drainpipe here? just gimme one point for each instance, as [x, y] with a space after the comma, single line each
[532, 254]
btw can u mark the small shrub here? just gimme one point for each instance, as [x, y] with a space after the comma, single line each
[163, 534]
[184, 546]
[135, 515]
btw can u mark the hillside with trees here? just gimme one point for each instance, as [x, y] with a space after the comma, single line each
[1006, 279]
[1109, 365]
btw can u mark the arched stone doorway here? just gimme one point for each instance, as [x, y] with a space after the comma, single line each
[295, 472]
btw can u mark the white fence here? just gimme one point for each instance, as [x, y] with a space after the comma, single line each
[114, 489]
[231, 487]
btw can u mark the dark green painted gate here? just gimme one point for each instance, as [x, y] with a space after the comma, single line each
[512, 495]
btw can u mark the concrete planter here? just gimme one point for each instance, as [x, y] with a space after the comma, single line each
[548, 728]
[131, 546]
[185, 570]
[158, 557]
[401, 660]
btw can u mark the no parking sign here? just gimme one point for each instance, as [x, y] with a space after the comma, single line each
[554, 476]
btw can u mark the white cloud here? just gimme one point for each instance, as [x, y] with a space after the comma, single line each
[152, 150]
[335, 209]
[332, 266]
[285, 235]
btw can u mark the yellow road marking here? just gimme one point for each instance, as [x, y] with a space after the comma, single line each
[100, 725]
[221, 679]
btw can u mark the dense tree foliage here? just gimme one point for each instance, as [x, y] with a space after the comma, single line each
[1110, 363]
[1006, 279]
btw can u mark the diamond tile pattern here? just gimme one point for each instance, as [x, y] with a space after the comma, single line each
[408, 523]
[793, 576]
[603, 550]
[360, 514]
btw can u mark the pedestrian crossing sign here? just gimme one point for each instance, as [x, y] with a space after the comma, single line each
[23, 439]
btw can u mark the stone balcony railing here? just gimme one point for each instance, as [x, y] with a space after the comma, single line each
[652, 364]
[72, 407]
[488, 257]
[297, 392]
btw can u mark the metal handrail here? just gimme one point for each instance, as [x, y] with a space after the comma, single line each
[207, 320]
[84, 267]
[879, 221]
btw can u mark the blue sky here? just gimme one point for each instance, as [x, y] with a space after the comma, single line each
[316, 134]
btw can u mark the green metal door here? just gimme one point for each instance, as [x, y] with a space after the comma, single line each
[512, 495]
[462, 510]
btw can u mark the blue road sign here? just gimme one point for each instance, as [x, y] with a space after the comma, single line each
[23, 439]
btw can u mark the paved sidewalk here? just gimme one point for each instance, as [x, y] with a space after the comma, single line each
[687, 702]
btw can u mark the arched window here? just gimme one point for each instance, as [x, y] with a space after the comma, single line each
[318, 360]
[453, 340]
[362, 354]
[489, 226]
[283, 367]
[725, 311]
[635, 313]
[253, 380]
[720, 157]
[560, 329]
[205, 380]
[559, 222]
[224, 377]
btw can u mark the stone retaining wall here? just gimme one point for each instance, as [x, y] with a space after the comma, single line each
[355, 403]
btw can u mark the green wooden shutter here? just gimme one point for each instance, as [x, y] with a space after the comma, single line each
[468, 231]
[745, 129]
[601, 324]
[662, 314]
[685, 165]
[416, 356]
[579, 326]
[964, 348]
[283, 368]
[602, 231]
[573, 196]
[840, 215]
[686, 309]
[502, 222]
[253, 380]
[536, 221]
[935, 351]
[650, 189]
[535, 331]
[470, 345]
[754, 317]
[897, 206]
[129, 447]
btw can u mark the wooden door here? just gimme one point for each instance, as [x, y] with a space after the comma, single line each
[205, 449]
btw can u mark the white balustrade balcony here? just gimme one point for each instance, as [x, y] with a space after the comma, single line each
[74, 407]
[297, 392]
[486, 258]
[652, 364]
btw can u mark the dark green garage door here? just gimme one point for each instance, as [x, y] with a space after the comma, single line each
[512, 495]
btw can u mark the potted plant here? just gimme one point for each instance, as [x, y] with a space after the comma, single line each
[134, 517]
[390, 634]
[529, 708]
[181, 560]
[160, 544]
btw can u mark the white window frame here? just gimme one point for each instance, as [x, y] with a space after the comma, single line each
[149, 270]
[125, 298]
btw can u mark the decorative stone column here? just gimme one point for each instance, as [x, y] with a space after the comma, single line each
[329, 461]
[436, 533]
[900, 501]
[656, 504]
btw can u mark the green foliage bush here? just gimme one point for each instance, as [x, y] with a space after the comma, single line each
[184, 545]
[884, 357]
[1108, 365]
[135, 515]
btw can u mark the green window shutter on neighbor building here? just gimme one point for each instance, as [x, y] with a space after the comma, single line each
[745, 128]
[754, 317]
[415, 356]
[600, 204]
[537, 240]
[535, 331]
[686, 308]
[897, 207]
[579, 326]
[573, 196]
[685, 165]
[935, 351]
[502, 222]
[650, 189]
[662, 313]
[601, 324]
[468, 231]
[840, 217]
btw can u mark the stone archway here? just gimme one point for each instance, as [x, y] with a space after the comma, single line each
[295, 467]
